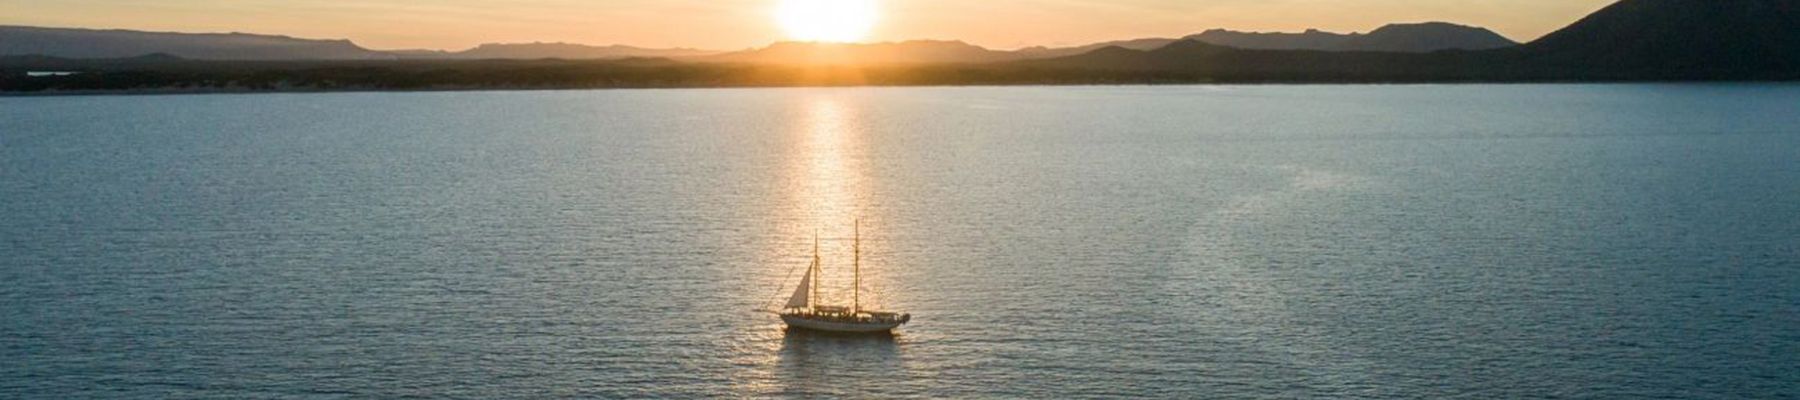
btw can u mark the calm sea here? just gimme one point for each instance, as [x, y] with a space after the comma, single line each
[1431, 242]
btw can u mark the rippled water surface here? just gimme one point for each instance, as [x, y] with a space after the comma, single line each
[1182, 242]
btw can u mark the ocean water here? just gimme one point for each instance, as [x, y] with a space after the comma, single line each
[1383, 242]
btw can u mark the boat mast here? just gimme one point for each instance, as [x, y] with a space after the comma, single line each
[812, 299]
[856, 263]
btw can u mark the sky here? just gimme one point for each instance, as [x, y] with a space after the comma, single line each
[738, 24]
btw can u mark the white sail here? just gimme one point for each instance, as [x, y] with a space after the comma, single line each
[802, 295]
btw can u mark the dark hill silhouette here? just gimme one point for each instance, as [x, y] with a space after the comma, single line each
[1195, 61]
[1403, 38]
[1052, 52]
[1312, 39]
[908, 52]
[1427, 37]
[91, 43]
[103, 44]
[567, 51]
[1408, 38]
[112, 44]
[1677, 39]
[1633, 40]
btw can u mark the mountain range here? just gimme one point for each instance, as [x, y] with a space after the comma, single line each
[908, 52]
[77, 43]
[1400, 38]
[1630, 40]
[533, 51]
[100, 44]
[96, 43]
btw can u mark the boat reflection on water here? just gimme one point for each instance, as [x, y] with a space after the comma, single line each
[808, 356]
[800, 347]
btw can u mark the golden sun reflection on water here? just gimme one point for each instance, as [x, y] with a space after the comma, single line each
[826, 180]
[826, 188]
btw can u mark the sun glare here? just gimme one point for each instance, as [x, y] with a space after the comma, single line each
[826, 20]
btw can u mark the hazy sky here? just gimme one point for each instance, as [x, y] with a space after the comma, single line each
[733, 24]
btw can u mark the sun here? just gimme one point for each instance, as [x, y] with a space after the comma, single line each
[826, 20]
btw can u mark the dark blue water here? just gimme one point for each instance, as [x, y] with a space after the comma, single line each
[1382, 242]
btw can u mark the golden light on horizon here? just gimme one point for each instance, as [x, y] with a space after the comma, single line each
[827, 20]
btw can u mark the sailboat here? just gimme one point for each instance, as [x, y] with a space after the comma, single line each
[803, 310]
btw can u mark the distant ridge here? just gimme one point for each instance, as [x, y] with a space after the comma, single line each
[566, 51]
[1134, 44]
[105, 44]
[94, 44]
[908, 52]
[74, 43]
[1632, 40]
[1402, 38]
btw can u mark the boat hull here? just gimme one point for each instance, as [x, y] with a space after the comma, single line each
[795, 321]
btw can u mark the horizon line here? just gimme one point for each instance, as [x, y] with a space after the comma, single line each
[769, 44]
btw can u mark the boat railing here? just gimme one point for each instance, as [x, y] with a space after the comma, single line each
[845, 316]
